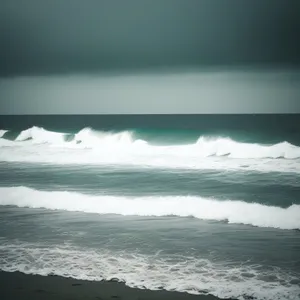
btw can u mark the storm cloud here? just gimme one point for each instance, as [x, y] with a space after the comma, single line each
[133, 56]
[42, 37]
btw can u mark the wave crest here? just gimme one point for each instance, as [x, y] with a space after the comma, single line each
[93, 138]
[210, 146]
[41, 135]
[89, 146]
[237, 212]
[203, 147]
[2, 132]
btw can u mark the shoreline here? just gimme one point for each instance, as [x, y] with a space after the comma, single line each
[16, 285]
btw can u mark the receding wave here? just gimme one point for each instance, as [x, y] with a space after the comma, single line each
[194, 275]
[238, 212]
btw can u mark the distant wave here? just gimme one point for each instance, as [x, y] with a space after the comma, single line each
[237, 212]
[226, 146]
[86, 137]
[93, 138]
[40, 135]
[203, 147]
[128, 148]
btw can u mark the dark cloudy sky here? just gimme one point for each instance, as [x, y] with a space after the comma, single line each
[59, 37]
[73, 35]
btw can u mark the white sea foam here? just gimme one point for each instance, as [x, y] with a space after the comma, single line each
[194, 275]
[238, 212]
[41, 135]
[93, 138]
[227, 146]
[204, 147]
[89, 146]
[6, 143]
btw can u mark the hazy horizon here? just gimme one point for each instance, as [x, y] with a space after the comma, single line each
[189, 92]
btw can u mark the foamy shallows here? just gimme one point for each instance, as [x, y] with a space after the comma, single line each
[238, 212]
[88, 146]
[194, 275]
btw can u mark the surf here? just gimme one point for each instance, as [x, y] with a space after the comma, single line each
[203, 146]
[94, 138]
[231, 211]
[130, 148]
[40, 135]
[219, 146]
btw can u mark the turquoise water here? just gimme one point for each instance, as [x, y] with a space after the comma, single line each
[200, 203]
[255, 128]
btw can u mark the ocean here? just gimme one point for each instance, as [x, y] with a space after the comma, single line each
[203, 204]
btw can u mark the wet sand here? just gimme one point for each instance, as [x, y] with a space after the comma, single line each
[16, 286]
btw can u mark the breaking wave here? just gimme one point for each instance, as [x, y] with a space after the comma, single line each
[93, 138]
[40, 135]
[2, 132]
[226, 146]
[237, 212]
[128, 148]
[203, 147]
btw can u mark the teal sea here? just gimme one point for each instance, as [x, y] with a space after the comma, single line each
[203, 204]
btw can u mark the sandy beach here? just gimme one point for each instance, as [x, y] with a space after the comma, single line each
[20, 286]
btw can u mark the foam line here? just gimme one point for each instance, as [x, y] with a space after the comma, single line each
[238, 212]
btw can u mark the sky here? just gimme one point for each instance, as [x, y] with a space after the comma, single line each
[54, 53]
